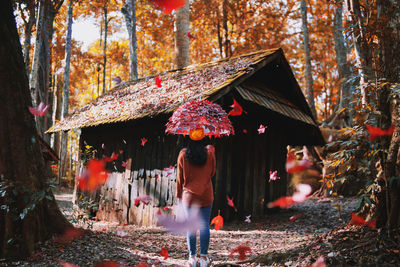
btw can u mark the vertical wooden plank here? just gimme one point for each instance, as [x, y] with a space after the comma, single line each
[229, 189]
[157, 189]
[238, 170]
[152, 190]
[124, 201]
[133, 211]
[260, 177]
[128, 169]
[248, 179]
[164, 191]
[218, 199]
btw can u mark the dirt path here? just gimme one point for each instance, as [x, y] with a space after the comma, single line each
[130, 245]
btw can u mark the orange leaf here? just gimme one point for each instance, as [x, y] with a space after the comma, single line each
[218, 222]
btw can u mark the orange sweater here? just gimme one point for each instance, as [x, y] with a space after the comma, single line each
[193, 183]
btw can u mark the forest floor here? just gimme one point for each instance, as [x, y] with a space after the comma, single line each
[274, 240]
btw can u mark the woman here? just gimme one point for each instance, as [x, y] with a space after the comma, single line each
[196, 167]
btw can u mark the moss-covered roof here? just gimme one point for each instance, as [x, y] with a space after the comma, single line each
[141, 98]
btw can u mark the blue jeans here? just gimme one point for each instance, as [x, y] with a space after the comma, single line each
[205, 214]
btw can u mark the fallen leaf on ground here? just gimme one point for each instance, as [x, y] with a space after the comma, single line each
[164, 253]
[70, 233]
[66, 264]
[320, 262]
[242, 251]
[106, 264]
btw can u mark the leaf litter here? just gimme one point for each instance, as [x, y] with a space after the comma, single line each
[271, 241]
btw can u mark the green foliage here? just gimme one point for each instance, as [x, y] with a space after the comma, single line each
[12, 192]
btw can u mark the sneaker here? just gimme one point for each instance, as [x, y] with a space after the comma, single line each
[192, 262]
[205, 262]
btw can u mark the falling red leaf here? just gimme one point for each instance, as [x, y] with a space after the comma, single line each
[218, 222]
[261, 129]
[375, 132]
[169, 170]
[144, 140]
[191, 36]
[106, 264]
[124, 164]
[94, 176]
[114, 156]
[242, 251]
[282, 202]
[167, 6]
[70, 234]
[244, 131]
[145, 199]
[357, 220]
[66, 264]
[158, 81]
[273, 176]
[40, 111]
[292, 166]
[230, 201]
[303, 190]
[164, 253]
[237, 110]
[294, 217]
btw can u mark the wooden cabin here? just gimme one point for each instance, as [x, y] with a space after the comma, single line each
[263, 84]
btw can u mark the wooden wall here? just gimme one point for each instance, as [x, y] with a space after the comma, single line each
[243, 164]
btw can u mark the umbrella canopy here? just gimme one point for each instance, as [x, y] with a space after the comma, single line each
[205, 115]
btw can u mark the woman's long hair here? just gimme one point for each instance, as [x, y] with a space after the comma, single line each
[196, 152]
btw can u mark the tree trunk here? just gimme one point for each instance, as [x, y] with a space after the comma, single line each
[345, 95]
[40, 74]
[105, 46]
[219, 33]
[28, 25]
[40, 70]
[363, 52]
[22, 168]
[65, 98]
[182, 44]
[129, 11]
[389, 108]
[308, 73]
[227, 42]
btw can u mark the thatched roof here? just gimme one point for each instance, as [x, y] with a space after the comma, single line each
[141, 98]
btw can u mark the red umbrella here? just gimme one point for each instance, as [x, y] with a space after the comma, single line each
[201, 118]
